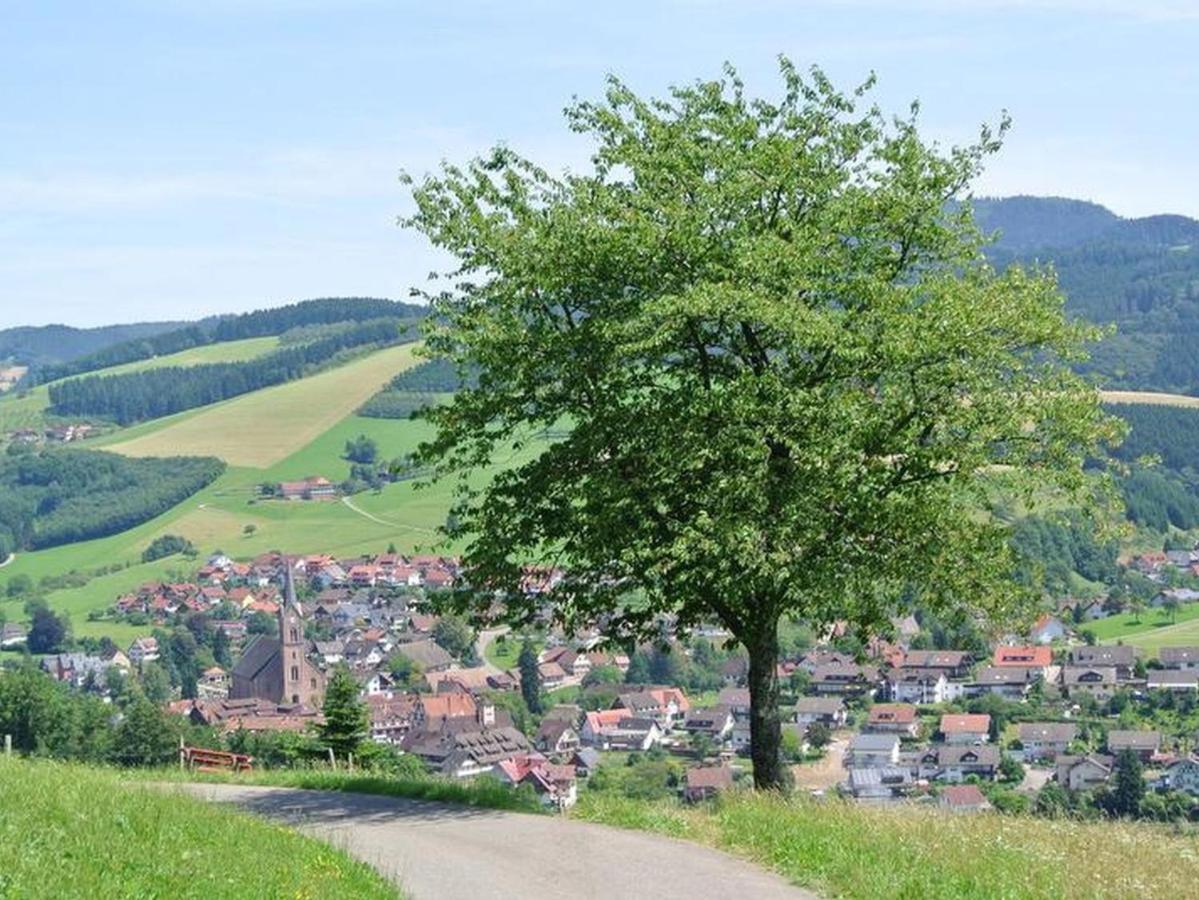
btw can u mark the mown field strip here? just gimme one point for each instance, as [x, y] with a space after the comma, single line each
[264, 427]
[1150, 398]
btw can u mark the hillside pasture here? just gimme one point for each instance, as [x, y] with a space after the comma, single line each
[31, 409]
[265, 427]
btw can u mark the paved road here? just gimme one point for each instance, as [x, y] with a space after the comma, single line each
[438, 852]
[486, 636]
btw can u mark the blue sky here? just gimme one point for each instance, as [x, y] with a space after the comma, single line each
[171, 159]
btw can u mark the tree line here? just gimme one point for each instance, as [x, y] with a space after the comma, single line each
[260, 323]
[56, 497]
[136, 396]
[414, 389]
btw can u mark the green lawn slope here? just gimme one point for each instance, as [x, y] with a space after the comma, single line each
[862, 852]
[70, 831]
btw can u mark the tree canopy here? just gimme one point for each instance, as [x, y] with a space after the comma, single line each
[777, 366]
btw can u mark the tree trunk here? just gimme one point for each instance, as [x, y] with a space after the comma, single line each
[765, 733]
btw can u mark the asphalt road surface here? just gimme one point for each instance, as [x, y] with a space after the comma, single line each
[439, 852]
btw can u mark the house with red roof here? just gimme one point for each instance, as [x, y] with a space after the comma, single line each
[965, 728]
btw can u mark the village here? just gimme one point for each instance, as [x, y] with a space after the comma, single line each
[1033, 718]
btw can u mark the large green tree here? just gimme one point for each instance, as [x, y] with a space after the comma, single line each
[774, 368]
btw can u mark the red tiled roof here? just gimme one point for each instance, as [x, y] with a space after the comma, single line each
[1033, 657]
[953, 723]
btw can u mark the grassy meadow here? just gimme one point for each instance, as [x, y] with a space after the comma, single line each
[66, 830]
[262, 428]
[862, 852]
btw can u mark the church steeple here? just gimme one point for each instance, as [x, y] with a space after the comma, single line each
[291, 639]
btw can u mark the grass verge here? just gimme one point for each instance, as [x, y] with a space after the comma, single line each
[483, 793]
[844, 850]
[68, 830]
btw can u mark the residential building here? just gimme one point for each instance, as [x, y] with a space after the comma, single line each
[1183, 776]
[919, 686]
[1145, 744]
[828, 711]
[1098, 681]
[957, 762]
[715, 722]
[844, 679]
[965, 728]
[872, 751]
[954, 663]
[963, 798]
[893, 718]
[1082, 773]
[1046, 740]
[1172, 679]
[1184, 659]
[705, 782]
[143, 650]
[1024, 657]
[879, 783]
[1121, 657]
[1009, 682]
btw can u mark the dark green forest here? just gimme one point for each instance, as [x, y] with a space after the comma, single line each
[136, 396]
[1142, 275]
[46, 345]
[56, 497]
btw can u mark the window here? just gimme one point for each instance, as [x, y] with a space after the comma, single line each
[295, 673]
[295, 635]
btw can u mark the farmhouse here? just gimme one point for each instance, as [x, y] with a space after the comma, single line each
[314, 487]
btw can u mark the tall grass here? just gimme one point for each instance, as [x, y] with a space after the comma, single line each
[70, 831]
[845, 850]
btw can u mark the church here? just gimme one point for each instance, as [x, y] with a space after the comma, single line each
[278, 669]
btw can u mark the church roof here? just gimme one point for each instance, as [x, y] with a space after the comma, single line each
[258, 655]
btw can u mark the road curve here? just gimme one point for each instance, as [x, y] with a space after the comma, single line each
[440, 852]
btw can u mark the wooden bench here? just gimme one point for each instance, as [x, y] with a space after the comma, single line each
[201, 759]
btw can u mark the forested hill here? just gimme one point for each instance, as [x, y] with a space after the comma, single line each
[314, 316]
[1140, 274]
[48, 344]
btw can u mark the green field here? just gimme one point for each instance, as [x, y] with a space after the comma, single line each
[70, 831]
[1152, 629]
[265, 427]
[1163, 633]
[30, 411]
